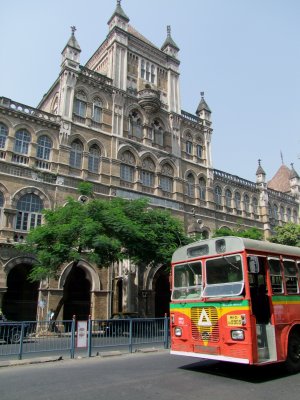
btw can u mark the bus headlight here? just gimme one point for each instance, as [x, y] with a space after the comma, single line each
[178, 331]
[237, 334]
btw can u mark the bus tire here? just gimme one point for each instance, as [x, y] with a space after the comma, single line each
[292, 364]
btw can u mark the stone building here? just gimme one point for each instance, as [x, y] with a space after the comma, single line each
[117, 122]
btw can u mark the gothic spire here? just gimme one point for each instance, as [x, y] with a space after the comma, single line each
[202, 105]
[119, 12]
[260, 170]
[169, 41]
[72, 41]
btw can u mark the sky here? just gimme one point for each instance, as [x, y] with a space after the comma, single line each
[243, 54]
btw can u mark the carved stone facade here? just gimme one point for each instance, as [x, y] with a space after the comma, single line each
[117, 122]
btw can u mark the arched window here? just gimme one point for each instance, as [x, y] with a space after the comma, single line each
[44, 146]
[189, 147]
[76, 154]
[135, 125]
[94, 159]
[147, 173]
[80, 104]
[295, 217]
[246, 203]
[1, 200]
[143, 69]
[237, 200]
[22, 141]
[218, 195]
[147, 71]
[152, 74]
[199, 151]
[255, 205]
[158, 133]
[270, 210]
[281, 212]
[190, 185]
[202, 188]
[29, 213]
[3, 135]
[166, 179]
[288, 214]
[127, 168]
[275, 212]
[97, 111]
[228, 198]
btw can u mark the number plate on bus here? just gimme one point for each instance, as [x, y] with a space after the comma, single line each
[234, 320]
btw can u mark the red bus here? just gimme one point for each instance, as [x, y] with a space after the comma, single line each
[237, 299]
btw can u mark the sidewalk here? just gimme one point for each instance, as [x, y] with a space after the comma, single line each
[39, 360]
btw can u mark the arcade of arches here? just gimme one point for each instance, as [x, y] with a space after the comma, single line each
[78, 293]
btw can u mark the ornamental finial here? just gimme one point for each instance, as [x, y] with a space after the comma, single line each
[73, 29]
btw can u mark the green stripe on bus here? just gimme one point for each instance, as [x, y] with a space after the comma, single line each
[242, 303]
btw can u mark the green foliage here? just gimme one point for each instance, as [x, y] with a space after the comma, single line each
[86, 189]
[251, 233]
[103, 232]
[288, 234]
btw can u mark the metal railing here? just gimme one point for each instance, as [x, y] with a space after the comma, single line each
[85, 338]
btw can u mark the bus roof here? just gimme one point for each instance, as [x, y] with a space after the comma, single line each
[232, 244]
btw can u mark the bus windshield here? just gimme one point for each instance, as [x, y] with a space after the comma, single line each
[224, 277]
[187, 281]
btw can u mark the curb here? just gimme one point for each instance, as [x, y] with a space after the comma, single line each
[11, 363]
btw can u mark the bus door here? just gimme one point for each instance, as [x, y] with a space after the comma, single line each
[260, 301]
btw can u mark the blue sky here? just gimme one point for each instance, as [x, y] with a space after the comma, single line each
[244, 54]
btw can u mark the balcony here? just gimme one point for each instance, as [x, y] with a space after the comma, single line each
[149, 100]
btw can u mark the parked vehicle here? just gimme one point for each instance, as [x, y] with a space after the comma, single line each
[11, 331]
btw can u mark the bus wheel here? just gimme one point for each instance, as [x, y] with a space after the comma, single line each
[292, 363]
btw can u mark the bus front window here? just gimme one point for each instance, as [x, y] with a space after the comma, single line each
[224, 277]
[187, 281]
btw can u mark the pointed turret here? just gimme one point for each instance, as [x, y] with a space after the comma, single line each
[68, 77]
[169, 46]
[71, 52]
[260, 174]
[294, 182]
[119, 18]
[203, 111]
[293, 173]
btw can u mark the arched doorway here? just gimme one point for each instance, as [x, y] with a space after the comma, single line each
[20, 299]
[77, 295]
[162, 295]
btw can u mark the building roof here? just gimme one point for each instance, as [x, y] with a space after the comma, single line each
[281, 180]
[138, 35]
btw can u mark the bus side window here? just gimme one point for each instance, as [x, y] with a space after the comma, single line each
[275, 275]
[290, 276]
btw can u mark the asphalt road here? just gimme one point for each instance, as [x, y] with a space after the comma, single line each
[141, 376]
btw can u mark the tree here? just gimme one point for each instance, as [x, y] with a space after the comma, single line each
[288, 234]
[251, 233]
[103, 232]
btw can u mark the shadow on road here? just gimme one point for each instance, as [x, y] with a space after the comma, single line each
[247, 373]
